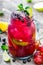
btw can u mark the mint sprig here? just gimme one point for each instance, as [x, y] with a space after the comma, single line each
[21, 8]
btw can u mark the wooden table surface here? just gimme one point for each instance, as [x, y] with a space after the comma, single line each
[12, 6]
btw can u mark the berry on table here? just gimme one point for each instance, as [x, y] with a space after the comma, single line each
[13, 60]
[4, 40]
[29, 60]
[24, 61]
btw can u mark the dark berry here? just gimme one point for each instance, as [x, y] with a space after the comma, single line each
[28, 59]
[4, 40]
[27, 17]
[13, 60]
[14, 15]
[20, 18]
[8, 52]
[24, 61]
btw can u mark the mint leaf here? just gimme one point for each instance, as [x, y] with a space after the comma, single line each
[26, 12]
[27, 7]
[20, 7]
[4, 47]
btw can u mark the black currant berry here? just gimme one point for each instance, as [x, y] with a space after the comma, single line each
[4, 40]
[24, 61]
[13, 60]
[28, 59]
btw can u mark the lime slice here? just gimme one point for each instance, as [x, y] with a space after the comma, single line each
[6, 57]
[38, 6]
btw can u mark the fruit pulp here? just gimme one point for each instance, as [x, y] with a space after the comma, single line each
[21, 36]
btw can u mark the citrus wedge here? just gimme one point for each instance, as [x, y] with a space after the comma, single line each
[38, 6]
[4, 26]
[6, 57]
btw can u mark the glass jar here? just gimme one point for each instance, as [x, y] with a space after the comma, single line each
[21, 36]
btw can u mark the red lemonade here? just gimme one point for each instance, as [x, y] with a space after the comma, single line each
[21, 35]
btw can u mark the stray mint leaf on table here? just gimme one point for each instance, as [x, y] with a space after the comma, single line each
[4, 47]
[20, 7]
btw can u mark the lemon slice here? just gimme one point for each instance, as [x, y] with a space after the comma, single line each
[38, 6]
[30, 11]
[6, 57]
[20, 43]
[4, 26]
